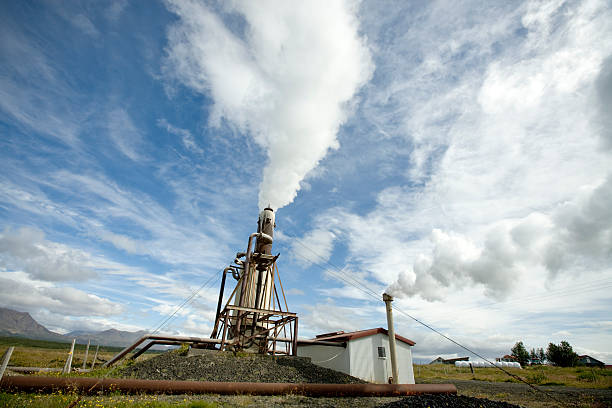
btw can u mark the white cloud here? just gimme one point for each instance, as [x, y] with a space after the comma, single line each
[22, 293]
[186, 137]
[604, 99]
[115, 10]
[84, 24]
[316, 246]
[32, 94]
[287, 80]
[503, 158]
[508, 188]
[28, 249]
[575, 234]
[330, 316]
[124, 133]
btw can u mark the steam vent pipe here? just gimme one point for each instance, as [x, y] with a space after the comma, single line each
[391, 331]
[97, 385]
[265, 224]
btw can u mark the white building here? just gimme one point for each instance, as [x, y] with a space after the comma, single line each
[363, 354]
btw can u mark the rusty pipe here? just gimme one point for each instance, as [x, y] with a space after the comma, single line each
[225, 271]
[247, 261]
[95, 385]
[182, 339]
[391, 331]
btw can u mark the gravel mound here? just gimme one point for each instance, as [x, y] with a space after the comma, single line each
[442, 401]
[241, 367]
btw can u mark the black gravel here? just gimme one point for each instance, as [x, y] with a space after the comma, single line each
[242, 367]
[227, 366]
[442, 400]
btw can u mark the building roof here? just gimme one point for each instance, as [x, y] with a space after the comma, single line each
[341, 336]
[585, 357]
[449, 360]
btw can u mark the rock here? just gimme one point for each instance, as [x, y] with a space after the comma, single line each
[443, 401]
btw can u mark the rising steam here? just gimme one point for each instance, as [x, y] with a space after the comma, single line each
[282, 71]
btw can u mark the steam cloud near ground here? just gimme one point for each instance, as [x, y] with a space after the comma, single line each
[577, 230]
[283, 72]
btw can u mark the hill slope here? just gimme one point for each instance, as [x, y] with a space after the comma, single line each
[13, 323]
[21, 324]
[111, 337]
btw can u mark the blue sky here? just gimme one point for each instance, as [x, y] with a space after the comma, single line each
[456, 154]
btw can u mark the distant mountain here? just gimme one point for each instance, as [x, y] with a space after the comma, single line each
[111, 337]
[13, 323]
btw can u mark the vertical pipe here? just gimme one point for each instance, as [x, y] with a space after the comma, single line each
[295, 337]
[391, 331]
[247, 273]
[214, 333]
[86, 353]
[68, 365]
[224, 332]
[5, 360]
[93, 362]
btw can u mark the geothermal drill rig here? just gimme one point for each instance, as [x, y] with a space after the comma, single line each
[253, 318]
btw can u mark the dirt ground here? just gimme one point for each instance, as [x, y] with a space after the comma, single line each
[512, 393]
[523, 395]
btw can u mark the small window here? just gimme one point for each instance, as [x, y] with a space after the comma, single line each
[381, 352]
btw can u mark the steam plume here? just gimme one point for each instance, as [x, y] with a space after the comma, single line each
[284, 72]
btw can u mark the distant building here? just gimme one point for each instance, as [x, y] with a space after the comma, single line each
[441, 360]
[590, 361]
[363, 354]
[507, 358]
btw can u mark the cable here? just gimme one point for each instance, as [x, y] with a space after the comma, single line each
[369, 292]
[159, 327]
[183, 304]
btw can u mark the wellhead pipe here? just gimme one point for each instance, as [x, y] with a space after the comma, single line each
[391, 331]
[96, 385]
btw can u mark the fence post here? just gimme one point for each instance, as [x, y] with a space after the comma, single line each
[68, 365]
[5, 360]
[93, 362]
[86, 353]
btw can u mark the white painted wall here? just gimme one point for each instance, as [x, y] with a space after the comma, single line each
[360, 359]
[363, 363]
[336, 358]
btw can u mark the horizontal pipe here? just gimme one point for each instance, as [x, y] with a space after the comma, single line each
[33, 369]
[95, 385]
[183, 339]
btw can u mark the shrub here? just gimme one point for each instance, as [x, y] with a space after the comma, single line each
[537, 378]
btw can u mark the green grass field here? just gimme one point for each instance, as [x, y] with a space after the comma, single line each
[37, 353]
[582, 377]
[41, 353]
[61, 400]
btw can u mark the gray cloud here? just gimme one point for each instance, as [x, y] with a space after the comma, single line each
[579, 233]
[28, 250]
[31, 296]
[603, 86]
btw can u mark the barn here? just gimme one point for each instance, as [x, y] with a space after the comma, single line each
[363, 354]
